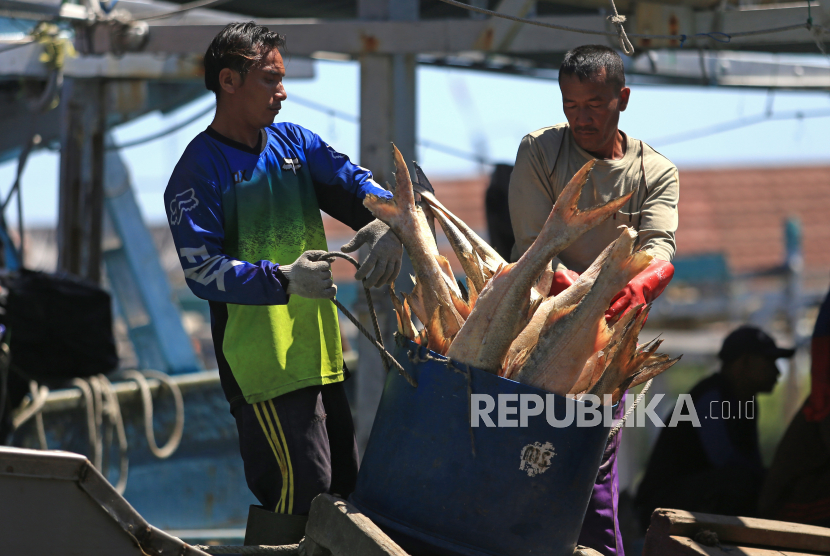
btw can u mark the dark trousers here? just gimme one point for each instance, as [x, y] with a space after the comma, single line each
[297, 446]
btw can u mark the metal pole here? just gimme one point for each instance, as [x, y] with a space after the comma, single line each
[81, 177]
[387, 115]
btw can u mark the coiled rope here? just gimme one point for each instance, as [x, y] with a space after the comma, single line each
[147, 403]
[101, 402]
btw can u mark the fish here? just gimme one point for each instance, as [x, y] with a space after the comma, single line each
[489, 256]
[627, 357]
[503, 305]
[404, 316]
[572, 295]
[599, 361]
[463, 250]
[653, 366]
[568, 339]
[435, 282]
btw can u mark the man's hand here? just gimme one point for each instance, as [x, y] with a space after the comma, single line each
[642, 289]
[309, 277]
[562, 280]
[384, 259]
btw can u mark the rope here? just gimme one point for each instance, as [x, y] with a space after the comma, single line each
[147, 402]
[250, 550]
[112, 409]
[618, 20]
[385, 356]
[163, 133]
[628, 413]
[101, 400]
[39, 396]
[89, 403]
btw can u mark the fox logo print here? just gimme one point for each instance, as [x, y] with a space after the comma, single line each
[182, 203]
[292, 164]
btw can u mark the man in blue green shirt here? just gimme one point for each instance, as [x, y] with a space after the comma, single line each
[243, 205]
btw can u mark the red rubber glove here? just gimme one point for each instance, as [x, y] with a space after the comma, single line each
[642, 289]
[562, 280]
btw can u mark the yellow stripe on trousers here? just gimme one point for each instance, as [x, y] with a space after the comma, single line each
[270, 434]
[287, 459]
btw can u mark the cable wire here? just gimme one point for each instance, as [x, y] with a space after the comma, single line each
[737, 124]
[184, 8]
[714, 35]
[163, 133]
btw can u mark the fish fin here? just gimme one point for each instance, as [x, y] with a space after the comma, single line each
[451, 320]
[405, 326]
[534, 306]
[445, 267]
[396, 303]
[421, 181]
[416, 302]
[461, 306]
[618, 368]
[472, 294]
[604, 335]
[645, 373]
[465, 295]
[556, 314]
[542, 285]
[474, 267]
[588, 370]
[512, 366]
[439, 341]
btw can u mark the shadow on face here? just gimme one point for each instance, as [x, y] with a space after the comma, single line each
[592, 107]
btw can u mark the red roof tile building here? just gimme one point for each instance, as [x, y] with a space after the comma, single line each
[738, 211]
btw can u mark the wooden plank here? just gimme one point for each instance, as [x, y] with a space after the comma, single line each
[739, 530]
[685, 545]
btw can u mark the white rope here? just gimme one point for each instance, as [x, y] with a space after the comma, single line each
[38, 395]
[618, 20]
[631, 409]
[89, 404]
[112, 409]
[147, 401]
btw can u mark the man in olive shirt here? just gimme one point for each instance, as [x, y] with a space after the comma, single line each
[592, 82]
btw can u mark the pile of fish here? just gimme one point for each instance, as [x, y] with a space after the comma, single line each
[504, 321]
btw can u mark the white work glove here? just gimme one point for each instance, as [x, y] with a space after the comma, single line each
[308, 277]
[384, 259]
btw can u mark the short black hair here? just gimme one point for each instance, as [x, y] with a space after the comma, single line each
[586, 61]
[238, 46]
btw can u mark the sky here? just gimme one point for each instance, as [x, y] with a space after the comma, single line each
[476, 113]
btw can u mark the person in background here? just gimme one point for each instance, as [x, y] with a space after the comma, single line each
[243, 205]
[592, 82]
[716, 467]
[797, 487]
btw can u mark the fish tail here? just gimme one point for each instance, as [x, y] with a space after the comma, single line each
[566, 204]
[403, 184]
